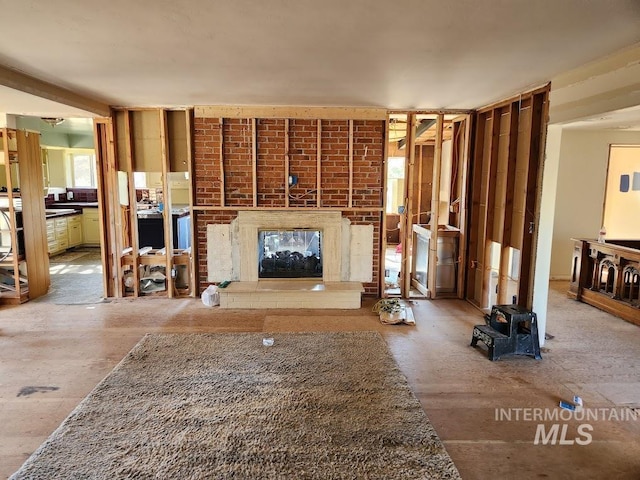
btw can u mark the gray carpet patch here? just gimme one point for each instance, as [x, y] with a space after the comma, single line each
[312, 406]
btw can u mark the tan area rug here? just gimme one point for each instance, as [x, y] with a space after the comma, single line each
[191, 406]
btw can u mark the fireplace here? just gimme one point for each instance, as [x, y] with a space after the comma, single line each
[293, 253]
[236, 251]
[290, 259]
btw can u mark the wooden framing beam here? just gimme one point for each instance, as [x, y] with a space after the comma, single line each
[503, 282]
[431, 112]
[166, 212]
[383, 214]
[286, 162]
[504, 103]
[419, 183]
[350, 202]
[111, 214]
[432, 273]
[490, 200]
[318, 162]
[407, 231]
[475, 218]
[133, 218]
[463, 205]
[193, 270]
[309, 113]
[39, 88]
[254, 161]
[221, 162]
[539, 112]
[213, 208]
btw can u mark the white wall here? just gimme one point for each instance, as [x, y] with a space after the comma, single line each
[582, 174]
[544, 235]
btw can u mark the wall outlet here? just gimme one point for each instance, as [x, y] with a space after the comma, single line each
[293, 180]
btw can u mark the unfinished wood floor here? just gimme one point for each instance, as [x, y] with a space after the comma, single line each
[53, 355]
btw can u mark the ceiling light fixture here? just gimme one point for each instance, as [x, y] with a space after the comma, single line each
[52, 121]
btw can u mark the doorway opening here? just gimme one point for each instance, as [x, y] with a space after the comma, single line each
[70, 179]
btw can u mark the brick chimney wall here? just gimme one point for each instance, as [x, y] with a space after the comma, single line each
[236, 136]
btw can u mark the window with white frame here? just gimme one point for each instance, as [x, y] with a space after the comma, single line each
[83, 168]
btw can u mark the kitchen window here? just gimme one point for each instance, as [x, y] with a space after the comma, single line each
[84, 171]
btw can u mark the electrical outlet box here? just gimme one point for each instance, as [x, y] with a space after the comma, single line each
[293, 180]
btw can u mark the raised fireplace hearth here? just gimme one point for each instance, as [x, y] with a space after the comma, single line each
[278, 259]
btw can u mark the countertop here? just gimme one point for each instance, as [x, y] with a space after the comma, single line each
[66, 205]
[61, 212]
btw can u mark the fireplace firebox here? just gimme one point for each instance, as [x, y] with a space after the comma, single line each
[293, 253]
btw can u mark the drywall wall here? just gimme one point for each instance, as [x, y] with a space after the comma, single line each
[544, 236]
[582, 174]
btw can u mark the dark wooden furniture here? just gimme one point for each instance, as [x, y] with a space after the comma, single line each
[607, 276]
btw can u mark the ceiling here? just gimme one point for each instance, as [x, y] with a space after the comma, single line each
[409, 54]
[625, 119]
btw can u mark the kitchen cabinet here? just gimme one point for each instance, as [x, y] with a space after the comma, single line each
[52, 242]
[90, 226]
[62, 236]
[74, 230]
[64, 232]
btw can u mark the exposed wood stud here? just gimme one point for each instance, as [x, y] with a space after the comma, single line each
[318, 162]
[435, 209]
[132, 217]
[166, 213]
[490, 182]
[407, 231]
[286, 162]
[525, 95]
[221, 162]
[254, 161]
[103, 133]
[539, 112]
[193, 261]
[350, 204]
[475, 217]
[503, 282]
[383, 215]
[115, 220]
[463, 206]
[419, 182]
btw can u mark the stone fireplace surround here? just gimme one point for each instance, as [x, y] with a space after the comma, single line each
[232, 254]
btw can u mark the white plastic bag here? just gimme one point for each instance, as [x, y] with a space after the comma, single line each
[211, 296]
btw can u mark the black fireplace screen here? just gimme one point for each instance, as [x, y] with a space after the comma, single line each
[289, 254]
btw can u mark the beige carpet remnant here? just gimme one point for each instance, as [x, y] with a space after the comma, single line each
[200, 406]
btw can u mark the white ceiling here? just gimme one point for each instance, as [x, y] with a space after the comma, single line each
[402, 54]
[624, 119]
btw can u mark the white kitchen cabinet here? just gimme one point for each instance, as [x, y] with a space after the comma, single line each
[74, 230]
[90, 226]
[52, 243]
